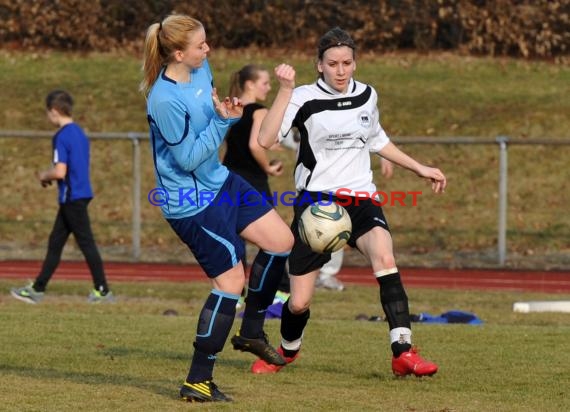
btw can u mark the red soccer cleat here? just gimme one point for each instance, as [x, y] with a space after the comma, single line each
[260, 366]
[410, 362]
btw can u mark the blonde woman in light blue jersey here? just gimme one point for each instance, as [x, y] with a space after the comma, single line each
[211, 209]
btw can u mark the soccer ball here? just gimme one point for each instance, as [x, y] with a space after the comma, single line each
[325, 228]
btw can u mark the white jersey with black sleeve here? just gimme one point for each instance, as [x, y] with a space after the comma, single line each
[337, 134]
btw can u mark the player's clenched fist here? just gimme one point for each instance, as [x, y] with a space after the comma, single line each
[285, 75]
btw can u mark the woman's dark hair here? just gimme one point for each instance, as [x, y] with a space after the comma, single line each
[334, 38]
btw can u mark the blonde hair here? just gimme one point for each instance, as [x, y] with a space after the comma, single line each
[162, 40]
[238, 79]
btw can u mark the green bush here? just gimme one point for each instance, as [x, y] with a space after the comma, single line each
[523, 28]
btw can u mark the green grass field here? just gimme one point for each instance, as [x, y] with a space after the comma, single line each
[420, 95]
[66, 355]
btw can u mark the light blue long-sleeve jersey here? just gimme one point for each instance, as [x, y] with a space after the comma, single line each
[185, 134]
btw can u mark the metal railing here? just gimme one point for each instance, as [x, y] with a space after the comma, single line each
[501, 141]
[135, 138]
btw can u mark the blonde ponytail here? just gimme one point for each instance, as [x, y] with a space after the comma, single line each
[162, 40]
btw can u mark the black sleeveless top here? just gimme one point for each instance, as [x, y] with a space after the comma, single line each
[238, 157]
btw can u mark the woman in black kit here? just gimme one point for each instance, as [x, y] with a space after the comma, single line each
[244, 155]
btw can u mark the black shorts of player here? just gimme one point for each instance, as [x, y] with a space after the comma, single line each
[364, 214]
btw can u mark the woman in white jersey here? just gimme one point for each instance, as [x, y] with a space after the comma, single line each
[338, 121]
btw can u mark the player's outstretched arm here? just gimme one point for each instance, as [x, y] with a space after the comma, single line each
[436, 176]
[271, 124]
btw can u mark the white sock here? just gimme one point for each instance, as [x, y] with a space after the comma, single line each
[292, 345]
[385, 272]
[401, 335]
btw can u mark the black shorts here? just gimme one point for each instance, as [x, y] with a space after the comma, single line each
[364, 214]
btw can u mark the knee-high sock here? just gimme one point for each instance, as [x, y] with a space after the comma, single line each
[292, 327]
[214, 325]
[395, 304]
[266, 272]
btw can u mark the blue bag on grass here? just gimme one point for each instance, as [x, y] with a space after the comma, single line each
[452, 316]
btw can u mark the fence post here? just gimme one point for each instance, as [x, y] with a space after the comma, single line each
[502, 222]
[136, 242]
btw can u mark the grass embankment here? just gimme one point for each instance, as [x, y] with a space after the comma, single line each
[419, 96]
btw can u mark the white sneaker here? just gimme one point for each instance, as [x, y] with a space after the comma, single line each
[331, 283]
[96, 297]
[27, 294]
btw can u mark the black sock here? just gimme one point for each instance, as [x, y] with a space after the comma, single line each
[292, 326]
[395, 304]
[399, 348]
[289, 353]
[394, 301]
[103, 289]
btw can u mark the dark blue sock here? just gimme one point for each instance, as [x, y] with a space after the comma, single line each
[214, 325]
[266, 273]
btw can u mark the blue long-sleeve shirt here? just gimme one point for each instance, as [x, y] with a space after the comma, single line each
[186, 133]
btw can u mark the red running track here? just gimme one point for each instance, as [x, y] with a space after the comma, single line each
[482, 279]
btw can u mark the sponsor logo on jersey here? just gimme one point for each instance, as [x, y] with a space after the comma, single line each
[365, 119]
[344, 103]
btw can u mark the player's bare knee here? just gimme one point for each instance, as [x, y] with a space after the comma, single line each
[239, 285]
[385, 261]
[279, 244]
[297, 307]
[286, 241]
[231, 281]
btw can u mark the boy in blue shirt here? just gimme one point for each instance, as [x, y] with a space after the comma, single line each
[71, 171]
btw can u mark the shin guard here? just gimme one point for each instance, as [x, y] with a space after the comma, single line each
[292, 325]
[265, 276]
[214, 325]
[394, 301]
